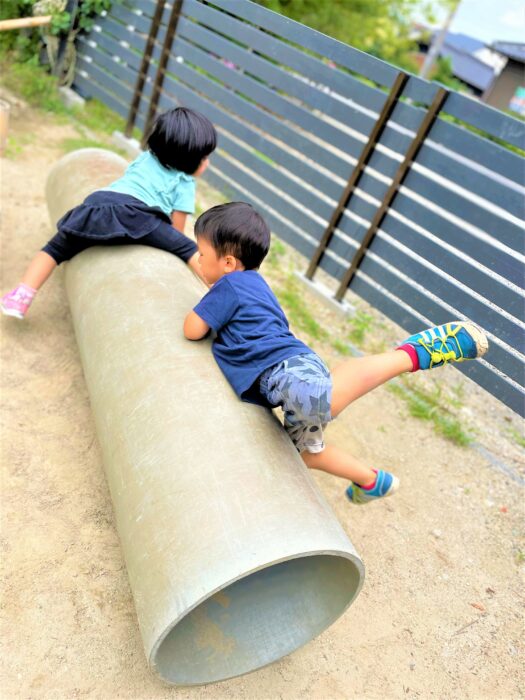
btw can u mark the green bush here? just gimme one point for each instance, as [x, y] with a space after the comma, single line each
[33, 83]
[24, 43]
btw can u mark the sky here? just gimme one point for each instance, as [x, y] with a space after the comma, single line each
[490, 20]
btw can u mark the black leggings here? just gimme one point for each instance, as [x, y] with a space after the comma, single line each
[64, 246]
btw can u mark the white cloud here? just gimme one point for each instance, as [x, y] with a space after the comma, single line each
[514, 18]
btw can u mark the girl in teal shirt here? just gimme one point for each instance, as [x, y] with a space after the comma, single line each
[148, 205]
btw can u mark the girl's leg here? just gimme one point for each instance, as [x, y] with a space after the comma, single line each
[168, 238]
[357, 376]
[39, 269]
[60, 248]
[17, 302]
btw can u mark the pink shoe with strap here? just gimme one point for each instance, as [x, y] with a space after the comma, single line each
[17, 301]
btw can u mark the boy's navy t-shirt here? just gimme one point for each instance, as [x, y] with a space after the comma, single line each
[252, 330]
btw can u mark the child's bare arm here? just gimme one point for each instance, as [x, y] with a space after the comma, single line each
[194, 327]
[178, 220]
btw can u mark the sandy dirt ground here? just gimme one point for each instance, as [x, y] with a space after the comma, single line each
[441, 611]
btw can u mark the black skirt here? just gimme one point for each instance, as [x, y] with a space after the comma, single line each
[106, 214]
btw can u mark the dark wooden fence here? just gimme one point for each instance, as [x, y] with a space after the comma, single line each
[406, 193]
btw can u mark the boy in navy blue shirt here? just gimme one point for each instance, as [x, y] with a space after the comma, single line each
[266, 364]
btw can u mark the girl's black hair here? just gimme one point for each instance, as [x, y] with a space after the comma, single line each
[181, 138]
[235, 229]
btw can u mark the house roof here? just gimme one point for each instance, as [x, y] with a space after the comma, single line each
[514, 51]
[465, 53]
[463, 42]
[468, 68]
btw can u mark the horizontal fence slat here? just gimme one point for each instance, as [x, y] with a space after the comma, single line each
[478, 150]
[408, 116]
[475, 182]
[106, 62]
[117, 32]
[258, 118]
[446, 291]
[343, 54]
[395, 139]
[475, 278]
[502, 230]
[487, 119]
[309, 66]
[279, 179]
[480, 281]
[511, 365]
[373, 186]
[275, 77]
[351, 228]
[400, 314]
[267, 98]
[420, 90]
[279, 227]
[383, 164]
[145, 7]
[88, 88]
[128, 17]
[107, 82]
[495, 259]
[393, 286]
[268, 197]
[108, 43]
[360, 207]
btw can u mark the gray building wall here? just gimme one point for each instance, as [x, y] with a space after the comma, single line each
[503, 88]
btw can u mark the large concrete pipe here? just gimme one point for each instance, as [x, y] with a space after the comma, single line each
[233, 556]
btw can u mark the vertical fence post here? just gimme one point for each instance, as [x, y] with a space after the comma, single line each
[413, 149]
[144, 68]
[163, 62]
[366, 153]
[58, 68]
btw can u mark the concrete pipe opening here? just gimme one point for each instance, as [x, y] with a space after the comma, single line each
[257, 619]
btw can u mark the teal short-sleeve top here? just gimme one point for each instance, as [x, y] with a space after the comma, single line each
[147, 180]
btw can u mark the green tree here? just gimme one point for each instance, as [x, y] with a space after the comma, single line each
[442, 73]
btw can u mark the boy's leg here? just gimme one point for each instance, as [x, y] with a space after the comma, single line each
[302, 386]
[435, 347]
[367, 484]
[357, 376]
[334, 461]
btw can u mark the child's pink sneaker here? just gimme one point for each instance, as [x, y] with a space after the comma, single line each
[17, 301]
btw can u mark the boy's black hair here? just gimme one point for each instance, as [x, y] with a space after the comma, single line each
[235, 229]
[181, 138]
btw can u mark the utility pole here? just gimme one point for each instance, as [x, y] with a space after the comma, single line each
[435, 48]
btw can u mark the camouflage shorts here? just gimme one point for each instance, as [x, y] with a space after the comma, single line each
[302, 386]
